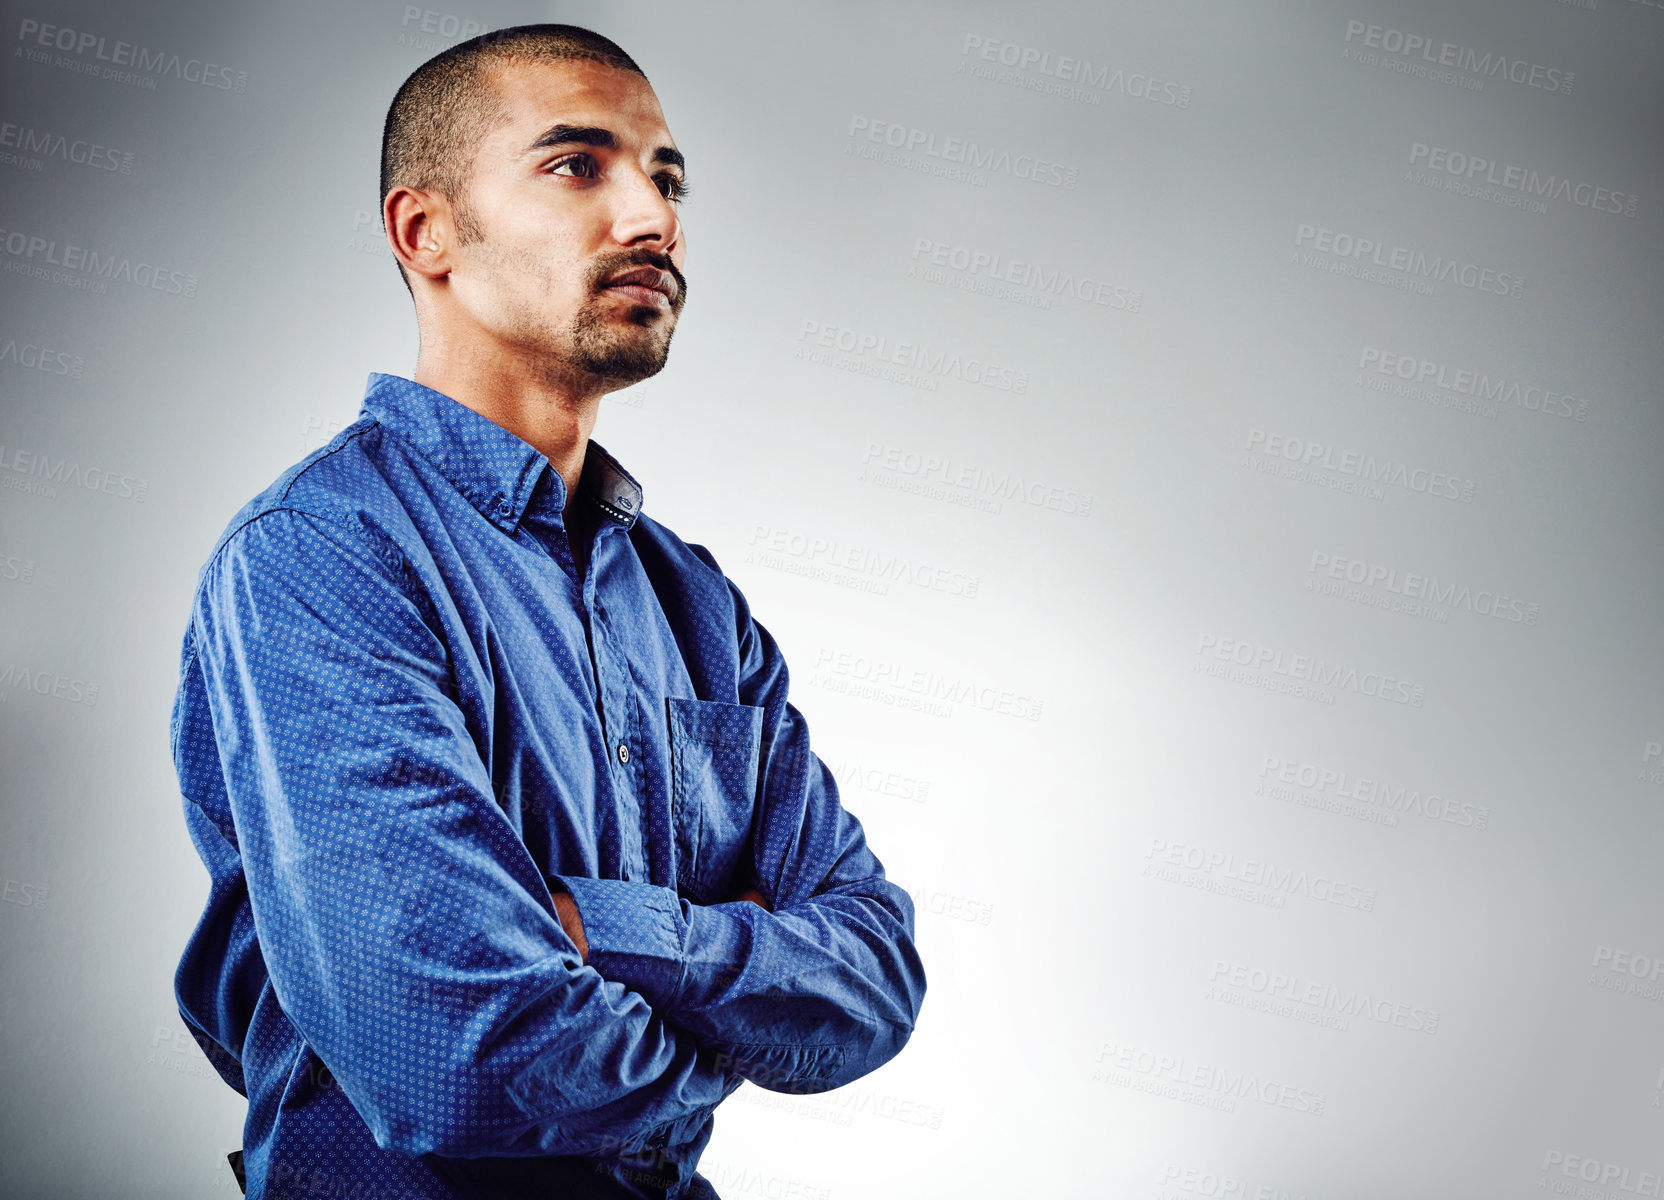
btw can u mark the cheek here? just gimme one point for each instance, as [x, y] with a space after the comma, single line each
[532, 262]
[531, 258]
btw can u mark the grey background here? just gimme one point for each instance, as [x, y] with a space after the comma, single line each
[1099, 1020]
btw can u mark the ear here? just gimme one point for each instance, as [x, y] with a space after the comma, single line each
[420, 230]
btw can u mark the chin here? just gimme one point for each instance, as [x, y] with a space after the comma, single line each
[630, 363]
[632, 346]
[646, 315]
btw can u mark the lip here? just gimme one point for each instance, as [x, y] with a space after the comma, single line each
[645, 285]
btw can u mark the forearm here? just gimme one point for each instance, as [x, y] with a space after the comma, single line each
[571, 920]
[800, 999]
[811, 996]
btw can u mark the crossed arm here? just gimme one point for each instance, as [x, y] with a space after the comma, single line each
[572, 922]
[463, 1007]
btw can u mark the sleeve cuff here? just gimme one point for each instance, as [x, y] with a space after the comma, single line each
[635, 932]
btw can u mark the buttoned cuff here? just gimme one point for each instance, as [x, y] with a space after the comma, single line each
[635, 932]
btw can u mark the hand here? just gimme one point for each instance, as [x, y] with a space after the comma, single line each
[753, 895]
[566, 909]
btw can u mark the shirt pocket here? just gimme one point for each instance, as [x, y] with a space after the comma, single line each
[714, 748]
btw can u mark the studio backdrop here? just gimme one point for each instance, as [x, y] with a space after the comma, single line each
[1202, 463]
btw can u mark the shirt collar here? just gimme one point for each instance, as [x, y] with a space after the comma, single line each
[495, 470]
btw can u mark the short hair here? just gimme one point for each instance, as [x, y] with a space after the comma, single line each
[447, 106]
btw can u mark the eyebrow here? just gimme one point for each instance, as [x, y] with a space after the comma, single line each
[593, 135]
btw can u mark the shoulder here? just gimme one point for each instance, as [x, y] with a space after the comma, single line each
[339, 492]
[697, 596]
[692, 588]
[666, 554]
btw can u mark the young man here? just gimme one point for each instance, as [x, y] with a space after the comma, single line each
[521, 861]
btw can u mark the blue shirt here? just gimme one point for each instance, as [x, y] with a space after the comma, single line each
[414, 697]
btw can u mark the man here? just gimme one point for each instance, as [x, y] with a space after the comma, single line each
[520, 859]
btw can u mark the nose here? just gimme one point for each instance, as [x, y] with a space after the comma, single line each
[643, 217]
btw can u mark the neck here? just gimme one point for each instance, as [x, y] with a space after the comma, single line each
[548, 406]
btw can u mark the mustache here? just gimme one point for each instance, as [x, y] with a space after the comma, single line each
[613, 265]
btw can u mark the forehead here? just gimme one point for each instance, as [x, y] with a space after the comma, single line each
[537, 95]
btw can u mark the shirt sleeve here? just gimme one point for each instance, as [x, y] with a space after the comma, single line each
[407, 932]
[812, 995]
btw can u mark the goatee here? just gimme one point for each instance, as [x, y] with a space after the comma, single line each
[639, 349]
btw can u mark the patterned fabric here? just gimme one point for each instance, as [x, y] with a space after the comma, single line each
[405, 713]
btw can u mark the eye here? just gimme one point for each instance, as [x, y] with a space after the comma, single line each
[584, 164]
[672, 187]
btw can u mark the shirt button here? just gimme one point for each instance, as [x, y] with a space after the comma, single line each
[623, 753]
